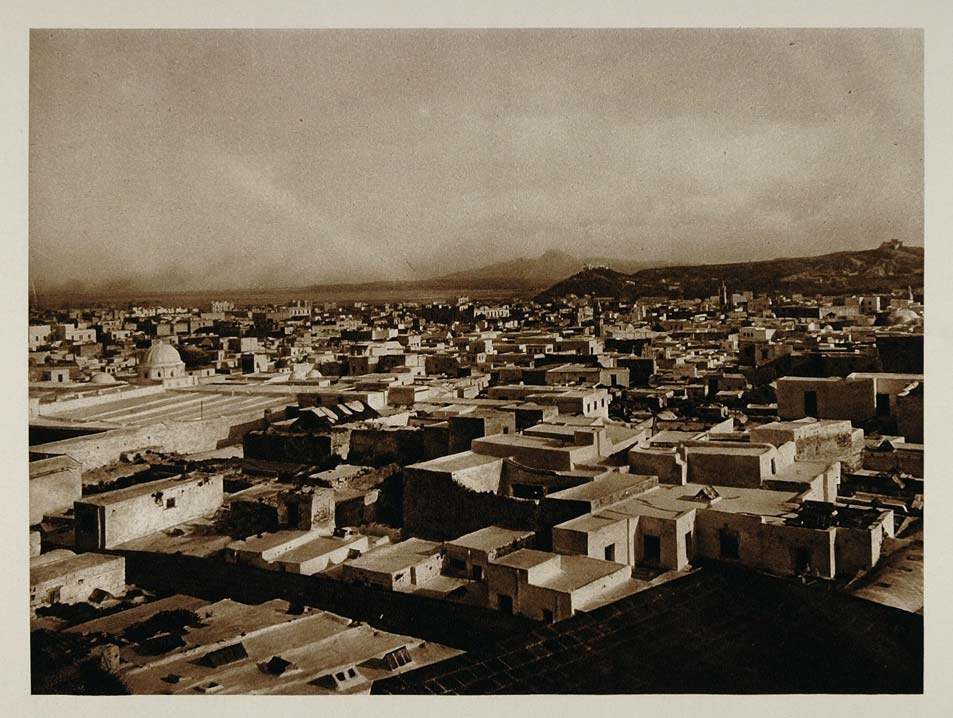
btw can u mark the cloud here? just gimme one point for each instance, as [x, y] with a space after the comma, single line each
[189, 159]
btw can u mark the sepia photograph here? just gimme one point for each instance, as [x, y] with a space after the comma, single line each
[475, 361]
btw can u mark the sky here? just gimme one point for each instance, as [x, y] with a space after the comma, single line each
[170, 159]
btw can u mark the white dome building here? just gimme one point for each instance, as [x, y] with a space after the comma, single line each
[904, 316]
[162, 361]
[103, 378]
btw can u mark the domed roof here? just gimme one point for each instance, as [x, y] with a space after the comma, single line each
[161, 355]
[904, 316]
[102, 377]
[315, 374]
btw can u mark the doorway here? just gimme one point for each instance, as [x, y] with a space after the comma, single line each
[810, 403]
[651, 549]
[728, 544]
[802, 561]
[883, 404]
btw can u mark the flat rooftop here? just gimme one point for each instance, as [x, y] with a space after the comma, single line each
[319, 546]
[489, 538]
[150, 487]
[578, 571]
[801, 424]
[115, 623]
[801, 471]
[457, 462]
[526, 558]
[670, 437]
[591, 523]
[735, 448]
[50, 570]
[668, 501]
[266, 541]
[597, 489]
[314, 643]
[174, 406]
[395, 557]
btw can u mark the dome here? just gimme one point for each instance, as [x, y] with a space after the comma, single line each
[315, 374]
[904, 316]
[102, 377]
[161, 355]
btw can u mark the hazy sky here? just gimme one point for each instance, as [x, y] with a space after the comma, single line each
[189, 159]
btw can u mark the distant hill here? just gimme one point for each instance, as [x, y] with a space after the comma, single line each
[889, 266]
[527, 272]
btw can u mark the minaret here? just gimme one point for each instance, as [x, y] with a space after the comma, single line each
[724, 295]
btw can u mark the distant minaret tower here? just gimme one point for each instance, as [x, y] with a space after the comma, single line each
[724, 295]
[597, 318]
[909, 292]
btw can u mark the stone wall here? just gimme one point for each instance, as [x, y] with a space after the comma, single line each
[909, 408]
[669, 466]
[288, 447]
[438, 508]
[55, 483]
[464, 429]
[771, 548]
[836, 399]
[183, 437]
[145, 513]
[78, 578]
[816, 441]
[741, 469]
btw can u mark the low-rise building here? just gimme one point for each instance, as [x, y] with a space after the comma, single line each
[468, 555]
[398, 567]
[55, 483]
[62, 576]
[115, 517]
[550, 587]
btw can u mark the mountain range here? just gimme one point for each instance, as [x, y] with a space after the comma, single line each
[558, 274]
[529, 272]
[889, 266]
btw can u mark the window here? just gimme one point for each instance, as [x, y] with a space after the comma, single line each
[351, 673]
[689, 545]
[458, 565]
[547, 616]
[610, 552]
[728, 544]
[397, 658]
[170, 503]
[651, 549]
[477, 572]
[505, 602]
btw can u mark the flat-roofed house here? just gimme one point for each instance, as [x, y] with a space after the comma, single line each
[113, 518]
